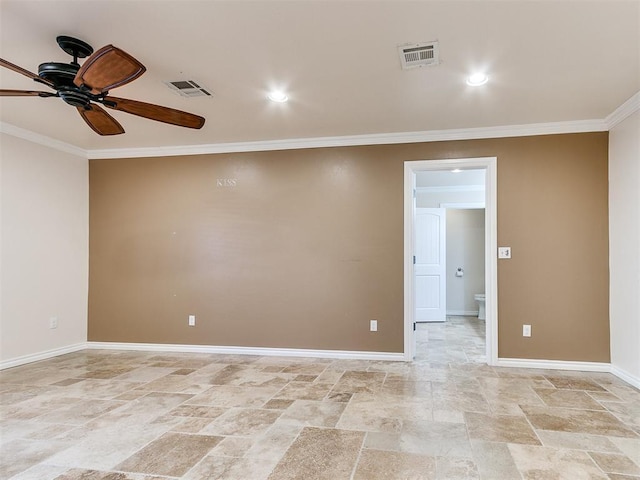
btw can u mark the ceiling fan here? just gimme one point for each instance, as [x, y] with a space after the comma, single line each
[86, 86]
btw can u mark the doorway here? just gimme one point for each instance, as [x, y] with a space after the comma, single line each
[488, 164]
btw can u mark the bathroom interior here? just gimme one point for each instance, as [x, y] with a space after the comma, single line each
[462, 195]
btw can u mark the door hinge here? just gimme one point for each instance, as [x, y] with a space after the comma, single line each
[414, 259]
[414, 326]
[414, 193]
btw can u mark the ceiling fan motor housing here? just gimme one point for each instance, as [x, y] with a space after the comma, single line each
[75, 97]
[59, 73]
[62, 75]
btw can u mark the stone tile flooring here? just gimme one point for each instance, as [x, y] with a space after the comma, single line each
[119, 415]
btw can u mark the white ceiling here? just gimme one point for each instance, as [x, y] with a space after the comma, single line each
[548, 61]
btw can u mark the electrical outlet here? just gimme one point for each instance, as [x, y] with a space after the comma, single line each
[53, 322]
[526, 330]
[373, 325]
[192, 320]
[504, 252]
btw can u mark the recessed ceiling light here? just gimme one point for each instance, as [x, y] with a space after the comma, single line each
[477, 79]
[456, 170]
[278, 96]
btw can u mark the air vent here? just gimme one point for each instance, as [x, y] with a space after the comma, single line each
[419, 55]
[188, 88]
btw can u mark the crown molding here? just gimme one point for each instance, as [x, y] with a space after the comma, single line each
[623, 111]
[579, 126]
[42, 140]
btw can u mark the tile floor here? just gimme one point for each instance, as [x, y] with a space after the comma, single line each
[117, 415]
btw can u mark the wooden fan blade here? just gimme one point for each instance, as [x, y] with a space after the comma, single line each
[100, 121]
[155, 112]
[108, 68]
[24, 72]
[25, 93]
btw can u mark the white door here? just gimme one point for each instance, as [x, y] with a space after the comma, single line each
[430, 265]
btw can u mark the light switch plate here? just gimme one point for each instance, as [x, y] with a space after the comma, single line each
[373, 326]
[504, 252]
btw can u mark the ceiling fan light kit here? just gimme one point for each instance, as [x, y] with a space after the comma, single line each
[86, 86]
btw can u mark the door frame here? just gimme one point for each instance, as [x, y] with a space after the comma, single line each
[489, 164]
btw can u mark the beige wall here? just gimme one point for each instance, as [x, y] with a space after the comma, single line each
[44, 248]
[624, 218]
[308, 247]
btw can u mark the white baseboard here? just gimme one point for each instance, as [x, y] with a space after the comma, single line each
[554, 364]
[35, 357]
[300, 352]
[462, 313]
[264, 351]
[626, 376]
[568, 365]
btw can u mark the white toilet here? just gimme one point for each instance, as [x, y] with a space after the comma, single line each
[479, 297]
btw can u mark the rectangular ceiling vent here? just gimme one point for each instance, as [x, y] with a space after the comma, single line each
[419, 55]
[188, 88]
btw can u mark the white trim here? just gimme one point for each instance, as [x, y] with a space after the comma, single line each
[42, 140]
[462, 313]
[409, 300]
[36, 357]
[569, 365]
[623, 111]
[578, 126]
[491, 246]
[554, 365]
[491, 260]
[552, 128]
[451, 188]
[293, 352]
[263, 351]
[625, 376]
